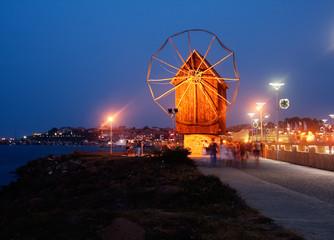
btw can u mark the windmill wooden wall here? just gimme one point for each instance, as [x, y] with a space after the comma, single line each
[196, 115]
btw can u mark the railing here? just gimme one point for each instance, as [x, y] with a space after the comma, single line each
[317, 156]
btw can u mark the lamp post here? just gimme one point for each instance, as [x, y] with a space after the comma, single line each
[259, 107]
[332, 116]
[265, 132]
[331, 133]
[325, 129]
[172, 112]
[276, 86]
[251, 115]
[256, 124]
[110, 119]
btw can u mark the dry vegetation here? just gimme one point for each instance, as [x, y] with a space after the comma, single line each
[163, 197]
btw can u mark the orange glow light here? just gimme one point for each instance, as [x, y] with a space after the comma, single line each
[310, 137]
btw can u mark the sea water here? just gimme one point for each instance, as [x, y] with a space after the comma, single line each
[15, 156]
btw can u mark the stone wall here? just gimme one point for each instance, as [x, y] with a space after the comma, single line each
[305, 155]
[195, 143]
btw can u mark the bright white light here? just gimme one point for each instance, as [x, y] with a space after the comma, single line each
[276, 85]
[251, 114]
[260, 104]
[266, 116]
[331, 115]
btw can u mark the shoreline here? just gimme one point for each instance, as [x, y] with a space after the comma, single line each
[78, 196]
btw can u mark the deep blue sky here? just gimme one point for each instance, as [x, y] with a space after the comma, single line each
[70, 63]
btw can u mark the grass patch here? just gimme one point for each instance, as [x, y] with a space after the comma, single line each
[77, 197]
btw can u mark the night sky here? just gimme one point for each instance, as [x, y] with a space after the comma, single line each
[72, 63]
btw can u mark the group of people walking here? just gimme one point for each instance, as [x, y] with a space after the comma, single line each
[232, 153]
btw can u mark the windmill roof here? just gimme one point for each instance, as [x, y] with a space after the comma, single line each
[196, 60]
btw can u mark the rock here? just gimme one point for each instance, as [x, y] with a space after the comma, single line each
[92, 170]
[184, 233]
[51, 157]
[165, 193]
[34, 202]
[122, 229]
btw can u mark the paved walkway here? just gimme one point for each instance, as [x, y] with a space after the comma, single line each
[295, 197]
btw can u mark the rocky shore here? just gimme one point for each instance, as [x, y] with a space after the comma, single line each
[80, 196]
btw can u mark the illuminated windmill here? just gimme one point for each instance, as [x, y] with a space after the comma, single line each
[183, 66]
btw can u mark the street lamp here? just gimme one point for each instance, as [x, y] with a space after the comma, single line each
[110, 119]
[276, 86]
[256, 125]
[332, 116]
[331, 133]
[266, 116]
[325, 128]
[172, 112]
[251, 115]
[259, 107]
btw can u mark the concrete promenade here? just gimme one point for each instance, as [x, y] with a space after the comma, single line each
[296, 197]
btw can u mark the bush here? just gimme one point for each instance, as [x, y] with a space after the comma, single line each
[211, 190]
[177, 157]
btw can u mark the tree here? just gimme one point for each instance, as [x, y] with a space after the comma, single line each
[52, 131]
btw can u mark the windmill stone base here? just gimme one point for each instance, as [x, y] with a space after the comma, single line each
[195, 143]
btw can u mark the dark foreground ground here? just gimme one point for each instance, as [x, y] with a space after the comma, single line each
[78, 196]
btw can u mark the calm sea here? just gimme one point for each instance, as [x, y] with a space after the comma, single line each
[12, 157]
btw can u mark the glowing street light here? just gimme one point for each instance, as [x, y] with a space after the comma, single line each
[276, 86]
[259, 107]
[332, 116]
[110, 119]
[251, 115]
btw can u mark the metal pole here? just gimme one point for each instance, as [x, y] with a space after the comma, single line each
[261, 124]
[252, 128]
[331, 133]
[277, 137]
[111, 137]
[331, 136]
[173, 130]
[142, 147]
[251, 115]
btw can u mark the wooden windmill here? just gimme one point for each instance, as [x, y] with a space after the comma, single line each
[200, 89]
[200, 96]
